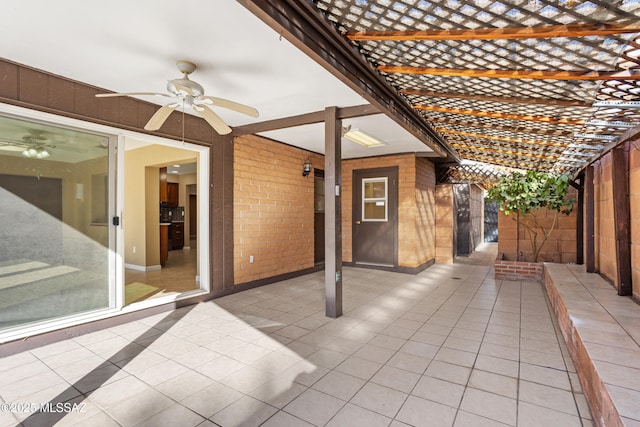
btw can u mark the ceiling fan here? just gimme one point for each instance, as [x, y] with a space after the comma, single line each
[190, 93]
[34, 144]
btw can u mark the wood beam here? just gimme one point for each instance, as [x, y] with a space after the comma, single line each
[580, 222]
[502, 138]
[504, 162]
[515, 74]
[503, 151]
[512, 33]
[506, 99]
[333, 213]
[590, 221]
[621, 218]
[508, 116]
[304, 119]
[515, 129]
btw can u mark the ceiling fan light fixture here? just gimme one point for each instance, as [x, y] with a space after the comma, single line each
[36, 153]
[362, 138]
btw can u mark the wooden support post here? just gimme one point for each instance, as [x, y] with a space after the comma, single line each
[622, 219]
[589, 212]
[580, 222]
[333, 213]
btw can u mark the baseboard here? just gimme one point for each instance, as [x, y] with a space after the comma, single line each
[142, 267]
[398, 269]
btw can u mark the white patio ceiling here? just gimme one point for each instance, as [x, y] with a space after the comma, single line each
[132, 46]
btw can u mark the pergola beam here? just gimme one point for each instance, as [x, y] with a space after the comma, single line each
[515, 74]
[514, 129]
[506, 99]
[501, 138]
[498, 115]
[513, 33]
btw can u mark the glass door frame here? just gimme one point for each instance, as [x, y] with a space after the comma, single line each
[115, 261]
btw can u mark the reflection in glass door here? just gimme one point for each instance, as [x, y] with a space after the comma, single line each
[57, 201]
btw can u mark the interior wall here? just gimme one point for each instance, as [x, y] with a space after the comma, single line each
[141, 213]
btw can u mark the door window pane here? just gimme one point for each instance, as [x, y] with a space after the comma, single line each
[374, 200]
[53, 254]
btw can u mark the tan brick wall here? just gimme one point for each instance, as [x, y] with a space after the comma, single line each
[425, 232]
[560, 247]
[273, 209]
[444, 223]
[634, 199]
[604, 231]
[416, 182]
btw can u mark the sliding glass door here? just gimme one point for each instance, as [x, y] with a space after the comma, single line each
[57, 240]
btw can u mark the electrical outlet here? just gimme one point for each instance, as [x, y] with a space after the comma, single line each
[250, 259]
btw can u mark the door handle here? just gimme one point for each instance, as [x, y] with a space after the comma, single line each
[357, 222]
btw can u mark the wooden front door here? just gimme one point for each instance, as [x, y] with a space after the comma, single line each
[375, 217]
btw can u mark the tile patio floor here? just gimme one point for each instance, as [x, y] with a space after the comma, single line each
[450, 346]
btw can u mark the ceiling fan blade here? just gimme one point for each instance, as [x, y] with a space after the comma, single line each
[111, 95]
[213, 119]
[231, 105]
[158, 119]
[182, 88]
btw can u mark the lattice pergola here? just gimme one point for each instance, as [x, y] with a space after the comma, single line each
[528, 84]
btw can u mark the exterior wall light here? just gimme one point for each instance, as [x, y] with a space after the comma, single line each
[306, 168]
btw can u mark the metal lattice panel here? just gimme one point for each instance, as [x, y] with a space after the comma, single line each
[515, 118]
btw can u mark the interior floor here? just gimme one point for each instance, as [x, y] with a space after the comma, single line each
[176, 276]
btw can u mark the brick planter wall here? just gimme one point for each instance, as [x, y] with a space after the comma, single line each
[517, 270]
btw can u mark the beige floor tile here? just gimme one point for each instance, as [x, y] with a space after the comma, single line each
[339, 385]
[440, 391]
[283, 419]
[380, 399]
[354, 416]
[462, 344]
[220, 367]
[534, 416]
[358, 367]
[424, 413]
[175, 415]
[314, 407]
[118, 391]
[374, 353]
[278, 392]
[497, 365]
[139, 407]
[327, 358]
[448, 372]
[420, 349]
[547, 360]
[409, 362]
[626, 401]
[245, 411]
[456, 357]
[246, 379]
[467, 419]
[184, 385]
[548, 397]
[547, 376]
[489, 405]
[397, 379]
[494, 383]
[500, 351]
[211, 399]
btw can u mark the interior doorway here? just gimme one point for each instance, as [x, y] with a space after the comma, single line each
[161, 212]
